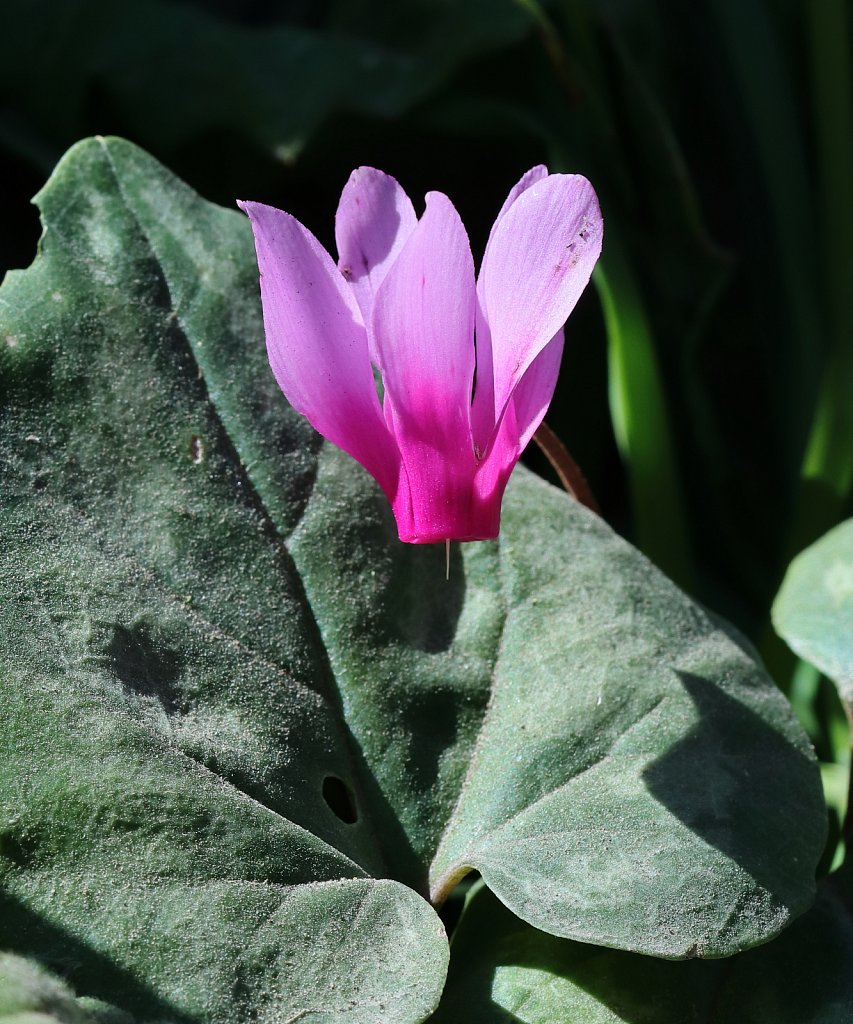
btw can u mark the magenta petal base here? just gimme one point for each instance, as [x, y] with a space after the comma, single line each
[448, 517]
[468, 363]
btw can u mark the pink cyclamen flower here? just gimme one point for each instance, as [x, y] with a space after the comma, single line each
[468, 368]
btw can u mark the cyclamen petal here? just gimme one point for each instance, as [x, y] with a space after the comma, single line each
[316, 343]
[533, 393]
[423, 329]
[423, 322]
[538, 261]
[483, 404]
[527, 179]
[374, 219]
[404, 298]
[521, 416]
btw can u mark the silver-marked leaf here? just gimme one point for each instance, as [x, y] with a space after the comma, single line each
[248, 733]
[813, 611]
[173, 746]
[612, 790]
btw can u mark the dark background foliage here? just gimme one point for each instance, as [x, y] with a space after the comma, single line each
[706, 387]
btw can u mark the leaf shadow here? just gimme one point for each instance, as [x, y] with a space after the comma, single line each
[636, 988]
[731, 748]
[88, 972]
[143, 664]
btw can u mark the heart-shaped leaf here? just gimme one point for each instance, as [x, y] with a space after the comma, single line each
[813, 611]
[503, 971]
[247, 732]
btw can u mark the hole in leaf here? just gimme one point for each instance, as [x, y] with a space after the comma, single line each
[337, 795]
[196, 452]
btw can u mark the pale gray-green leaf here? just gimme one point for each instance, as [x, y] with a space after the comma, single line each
[505, 972]
[613, 790]
[169, 719]
[29, 995]
[813, 611]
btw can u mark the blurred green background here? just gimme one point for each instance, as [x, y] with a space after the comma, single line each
[707, 388]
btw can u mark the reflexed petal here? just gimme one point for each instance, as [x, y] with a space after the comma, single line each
[531, 177]
[483, 406]
[423, 328]
[522, 414]
[423, 321]
[316, 343]
[534, 391]
[539, 260]
[375, 218]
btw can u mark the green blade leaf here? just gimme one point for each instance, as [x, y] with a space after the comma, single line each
[503, 971]
[827, 470]
[641, 421]
[247, 730]
[813, 611]
[750, 44]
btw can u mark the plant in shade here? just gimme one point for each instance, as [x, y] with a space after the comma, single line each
[468, 366]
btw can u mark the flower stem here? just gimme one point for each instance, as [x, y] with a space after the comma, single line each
[565, 466]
